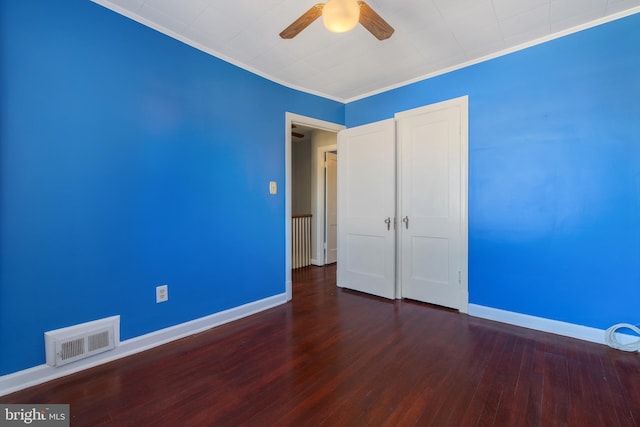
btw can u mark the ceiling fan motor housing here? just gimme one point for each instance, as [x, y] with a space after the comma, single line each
[340, 16]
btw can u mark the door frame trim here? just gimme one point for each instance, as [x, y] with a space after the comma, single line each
[290, 119]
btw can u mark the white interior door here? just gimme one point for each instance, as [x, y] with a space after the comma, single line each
[366, 208]
[331, 206]
[432, 144]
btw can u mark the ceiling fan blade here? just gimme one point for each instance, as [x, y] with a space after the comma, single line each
[297, 135]
[374, 23]
[303, 22]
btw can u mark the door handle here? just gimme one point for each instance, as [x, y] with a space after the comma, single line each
[388, 222]
[406, 222]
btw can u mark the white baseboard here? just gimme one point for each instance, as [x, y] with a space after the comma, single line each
[43, 373]
[289, 287]
[316, 262]
[557, 327]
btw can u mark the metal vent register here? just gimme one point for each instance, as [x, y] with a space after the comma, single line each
[73, 343]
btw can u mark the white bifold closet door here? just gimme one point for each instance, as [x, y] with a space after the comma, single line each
[411, 213]
[366, 208]
[432, 158]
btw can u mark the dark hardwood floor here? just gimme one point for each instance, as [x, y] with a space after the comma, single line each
[339, 358]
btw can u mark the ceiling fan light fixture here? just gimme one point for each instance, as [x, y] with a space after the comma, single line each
[340, 16]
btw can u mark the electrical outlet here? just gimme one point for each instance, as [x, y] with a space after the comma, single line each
[162, 293]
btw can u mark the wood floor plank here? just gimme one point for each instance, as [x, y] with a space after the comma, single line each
[618, 376]
[334, 357]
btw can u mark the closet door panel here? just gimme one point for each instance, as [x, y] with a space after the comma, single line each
[366, 208]
[432, 242]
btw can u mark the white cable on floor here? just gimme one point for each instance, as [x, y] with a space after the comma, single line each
[612, 341]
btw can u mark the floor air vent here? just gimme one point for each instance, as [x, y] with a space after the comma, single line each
[67, 345]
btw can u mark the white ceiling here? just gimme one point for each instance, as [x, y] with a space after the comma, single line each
[431, 36]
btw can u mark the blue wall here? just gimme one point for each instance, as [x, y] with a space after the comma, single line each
[129, 160]
[554, 173]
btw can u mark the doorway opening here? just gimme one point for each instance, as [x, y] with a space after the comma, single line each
[307, 142]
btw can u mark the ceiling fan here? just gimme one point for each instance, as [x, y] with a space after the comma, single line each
[340, 16]
[296, 134]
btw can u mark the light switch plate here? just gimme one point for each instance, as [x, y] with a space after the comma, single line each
[273, 187]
